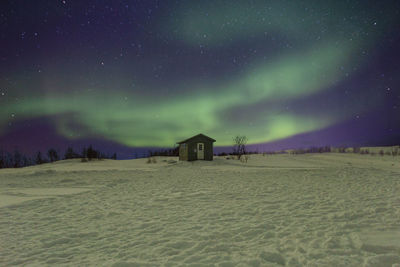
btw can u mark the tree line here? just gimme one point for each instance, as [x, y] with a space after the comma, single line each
[18, 160]
[173, 152]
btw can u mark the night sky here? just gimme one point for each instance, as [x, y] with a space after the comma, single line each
[128, 74]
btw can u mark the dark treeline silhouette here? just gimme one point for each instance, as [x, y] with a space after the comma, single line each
[395, 151]
[90, 153]
[18, 160]
[172, 152]
[244, 153]
[323, 149]
[71, 154]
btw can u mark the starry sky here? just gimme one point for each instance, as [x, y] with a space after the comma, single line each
[151, 73]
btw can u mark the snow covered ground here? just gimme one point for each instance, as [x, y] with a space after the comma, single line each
[277, 210]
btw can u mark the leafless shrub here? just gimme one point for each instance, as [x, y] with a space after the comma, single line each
[364, 151]
[151, 160]
[299, 151]
[244, 158]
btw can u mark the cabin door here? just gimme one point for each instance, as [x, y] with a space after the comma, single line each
[200, 151]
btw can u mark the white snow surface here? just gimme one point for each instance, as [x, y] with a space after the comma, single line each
[276, 210]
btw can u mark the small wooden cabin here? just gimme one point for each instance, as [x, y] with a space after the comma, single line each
[197, 147]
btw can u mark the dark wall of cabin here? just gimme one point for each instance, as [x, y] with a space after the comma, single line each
[183, 152]
[192, 146]
[208, 150]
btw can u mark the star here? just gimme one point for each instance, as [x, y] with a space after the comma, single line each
[258, 64]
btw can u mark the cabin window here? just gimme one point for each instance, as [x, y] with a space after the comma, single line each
[200, 147]
[184, 146]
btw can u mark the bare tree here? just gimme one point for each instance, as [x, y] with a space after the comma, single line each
[39, 159]
[2, 160]
[92, 153]
[26, 161]
[17, 159]
[84, 152]
[239, 145]
[52, 154]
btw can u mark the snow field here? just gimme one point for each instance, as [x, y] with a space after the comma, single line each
[276, 210]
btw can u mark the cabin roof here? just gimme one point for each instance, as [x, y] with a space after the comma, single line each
[199, 135]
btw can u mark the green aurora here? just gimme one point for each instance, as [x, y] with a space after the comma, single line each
[324, 51]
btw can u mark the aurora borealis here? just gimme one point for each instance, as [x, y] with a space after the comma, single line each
[151, 73]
